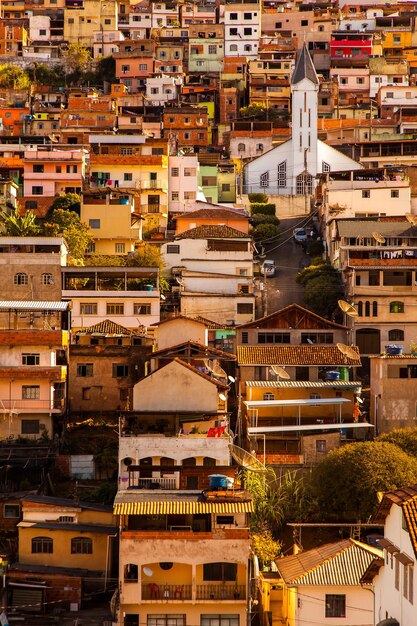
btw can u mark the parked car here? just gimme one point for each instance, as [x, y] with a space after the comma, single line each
[300, 235]
[268, 268]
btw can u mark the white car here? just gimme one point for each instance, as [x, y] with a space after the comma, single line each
[300, 235]
[268, 268]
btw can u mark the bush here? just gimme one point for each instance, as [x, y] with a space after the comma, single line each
[258, 197]
[265, 209]
[259, 218]
[315, 248]
[265, 231]
[404, 438]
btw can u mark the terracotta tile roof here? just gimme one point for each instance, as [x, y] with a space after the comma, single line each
[213, 231]
[406, 498]
[213, 325]
[342, 563]
[178, 317]
[294, 355]
[214, 214]
[293, 309]
[107, 327]
[207, 352]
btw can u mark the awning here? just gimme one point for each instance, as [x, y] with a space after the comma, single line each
[389, 546]
[254, 404]
[257, 430]
[181, 508]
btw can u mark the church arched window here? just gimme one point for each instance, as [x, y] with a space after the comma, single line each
[264, 182]
[282, 174]
[304, 184]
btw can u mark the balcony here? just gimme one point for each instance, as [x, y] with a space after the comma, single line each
[153, 184]
[55, 405]
[156, 483]
[157, 592]
[221, 591]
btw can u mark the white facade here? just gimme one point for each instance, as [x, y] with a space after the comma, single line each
[385, 80]
[100, 302]
[242, 29]
[392, 593]
[161, 89]
[106, 42]
[40, 28]
[182, 181]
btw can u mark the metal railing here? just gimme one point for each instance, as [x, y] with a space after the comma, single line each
[32, 403]
[155, 483]
[161, 591]
[221, 591]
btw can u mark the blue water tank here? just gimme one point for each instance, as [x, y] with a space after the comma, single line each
[393, 349]
[332, 375]
[217, 481]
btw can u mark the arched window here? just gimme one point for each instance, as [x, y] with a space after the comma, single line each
[264, 181]
[367, 308]
[233, 47]
[374, 308]
[209, 462]
[396, 335]
[241, 147]
[47, 279]
[248, 47]
[269, 396]
[81, 545]
[189, 462]
[360, 308]
[21, 278]
[304, 184]
[282, 174]
[396, 307]
[42, 545]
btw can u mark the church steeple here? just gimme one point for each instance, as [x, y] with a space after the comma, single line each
[304, 68]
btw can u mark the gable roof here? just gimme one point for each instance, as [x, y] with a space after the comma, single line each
[206, 352]
[295, 355]
[212, 231]
[107, 327]
[406, 498]
[342, 563]
[179, 317]
[294, 316]
[215, 214]
[304, 68]
[67, 502]
[194, 370]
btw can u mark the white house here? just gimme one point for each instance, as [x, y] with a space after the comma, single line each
[183, 181]
[242, 29]
[394, 581]
[162, 88]
[291, 167]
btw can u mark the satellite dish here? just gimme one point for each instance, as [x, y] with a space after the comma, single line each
[378, 237]
[219, 371]
[222, 397]
[208, 365]
[310, 341]
[411, 218]
[232, 379]
[360, 400]
[347, 351]
[347, 308]
[279, 371]
[148, 571]
[179, 280]
[247, 460]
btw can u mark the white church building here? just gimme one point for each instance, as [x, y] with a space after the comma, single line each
[294, 164]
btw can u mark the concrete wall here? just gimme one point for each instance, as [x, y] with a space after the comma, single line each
[176, 331]
[34, 265]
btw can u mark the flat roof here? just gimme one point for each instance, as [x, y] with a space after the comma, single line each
[303, 384]
[302, 402]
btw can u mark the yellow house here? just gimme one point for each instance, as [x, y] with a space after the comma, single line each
[114, 224]
[57, 532]
[80, 23]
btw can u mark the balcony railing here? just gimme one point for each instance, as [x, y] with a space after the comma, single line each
[154, 483]
[157, 592]
[221, 591]
[31, 404]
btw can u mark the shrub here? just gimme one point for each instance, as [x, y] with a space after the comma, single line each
[265, 231]
[258, 197]
[259, 218]
[265, 209]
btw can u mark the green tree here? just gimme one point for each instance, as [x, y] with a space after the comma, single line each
[261, 112]
[147, 255]
[322, 288]
[404, 438]
[67, 202]
[265, 231]
[346, 482]
[43, 74]
[17, 225]
[76, 60]
[12, 77]
[262, 198]
[75, 232]
[257, 219]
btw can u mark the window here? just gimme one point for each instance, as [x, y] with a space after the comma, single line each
[220, 571]
[11, 511]
[374, 308]
[128, 176]
[94, 223]
[47, 279]
[120, 370]
[245, 308]
[175, 196]
[143, 67]
[325, 167]
[189, 171]
[175, 171]
[173, 249]
[274, 338]
[247, 31]
[115, 309]
[304, 184]
[126, 151]
[42, 545]
[212, 49]
[85, 369]
[31, 204]
[335, 605]
[120, 248]
[81, 545]
[29, 358]
[264, 180]
[139, 308]
[360, 80]
[189, 195]
[233, 16]
[247, 16]
[245, 337]
[316, 338]
[396, 307]
[321, 446]
[282, 174]
[132, 619]
[225, 187]
[397, 573]
[395, 193]
[225, 520]
[233, 47]
[165, 620]
[241, 147]
[66, 519]
[366, 193]
[219, 620]
[88, 308]
[30, 427]
[37, 190]
[268, 396]
[31, 392]
[396, 335]
[38, 168]
[86, 393]
[233, 32]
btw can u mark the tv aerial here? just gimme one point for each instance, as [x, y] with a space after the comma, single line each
[247, 460]
[347, 308]
[279, 371]
[347, 351]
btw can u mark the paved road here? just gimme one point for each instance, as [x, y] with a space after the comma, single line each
[289, 258]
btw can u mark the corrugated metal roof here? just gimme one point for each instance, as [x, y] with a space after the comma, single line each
[342, 564]
[303, 384]
[33, 305]
[295, 355]
[365, 228]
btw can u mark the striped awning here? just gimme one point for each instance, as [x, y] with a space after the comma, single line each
[180, 508]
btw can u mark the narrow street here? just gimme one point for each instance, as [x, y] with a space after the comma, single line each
[289, 258]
